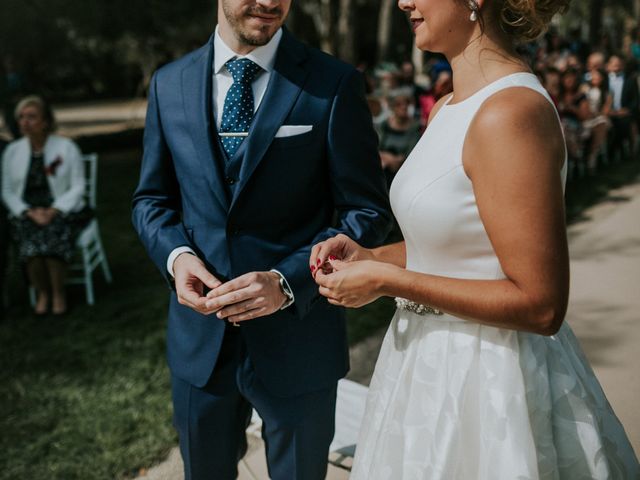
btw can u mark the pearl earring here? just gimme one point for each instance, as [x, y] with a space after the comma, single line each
[473, 6]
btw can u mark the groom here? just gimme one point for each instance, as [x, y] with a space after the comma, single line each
[256, 147]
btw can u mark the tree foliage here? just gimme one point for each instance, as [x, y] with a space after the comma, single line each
[71, 49]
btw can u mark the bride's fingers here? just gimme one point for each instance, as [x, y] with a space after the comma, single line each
[320, 277]
[329, 248]
[337, 265]
[313, 258]
[326, 292]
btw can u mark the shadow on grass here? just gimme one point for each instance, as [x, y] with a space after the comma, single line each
[87, 396]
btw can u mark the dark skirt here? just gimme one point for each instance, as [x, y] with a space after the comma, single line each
[58, 239]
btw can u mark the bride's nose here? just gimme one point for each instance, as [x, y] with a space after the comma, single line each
[406, 5]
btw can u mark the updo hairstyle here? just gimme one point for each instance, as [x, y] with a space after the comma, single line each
[526, 20]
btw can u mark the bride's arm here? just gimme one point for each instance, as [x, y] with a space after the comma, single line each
[513, 153]
[395, 254]
[343, 248]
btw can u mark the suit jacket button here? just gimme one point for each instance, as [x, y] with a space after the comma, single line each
[230, 180]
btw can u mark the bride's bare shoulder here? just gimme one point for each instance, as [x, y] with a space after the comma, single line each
[513, 126]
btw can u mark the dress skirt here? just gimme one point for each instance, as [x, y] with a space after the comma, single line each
[56, 240]
[455, 400]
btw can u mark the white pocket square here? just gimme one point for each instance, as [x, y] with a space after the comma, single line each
[293, 130]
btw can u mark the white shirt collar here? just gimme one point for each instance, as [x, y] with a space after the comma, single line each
[264, 56]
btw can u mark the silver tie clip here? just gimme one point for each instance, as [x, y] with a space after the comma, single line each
[234, 134]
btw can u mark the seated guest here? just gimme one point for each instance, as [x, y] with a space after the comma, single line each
[595, 61]
[43, 186]
[573, 109]
[551, 82]
[398, 134]
[635, 43]
[596, 127]
[624, 91]
[442, 86]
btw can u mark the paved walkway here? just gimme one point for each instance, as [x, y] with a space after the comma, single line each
[604, 311]
[604, 308]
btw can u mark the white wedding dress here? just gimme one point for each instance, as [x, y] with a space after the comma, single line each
[456, 400]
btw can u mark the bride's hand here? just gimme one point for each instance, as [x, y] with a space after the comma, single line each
[352, 284]
[339, 247]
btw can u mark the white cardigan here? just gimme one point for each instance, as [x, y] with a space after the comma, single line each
[67, 183]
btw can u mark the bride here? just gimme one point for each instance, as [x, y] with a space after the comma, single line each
[478, 377]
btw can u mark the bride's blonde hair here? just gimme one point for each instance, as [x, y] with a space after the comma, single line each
[525, 20]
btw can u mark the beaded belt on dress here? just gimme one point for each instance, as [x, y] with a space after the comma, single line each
[418, 308]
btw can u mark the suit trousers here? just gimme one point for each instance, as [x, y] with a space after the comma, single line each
[211, 421]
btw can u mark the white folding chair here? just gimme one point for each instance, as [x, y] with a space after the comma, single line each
[89, 244]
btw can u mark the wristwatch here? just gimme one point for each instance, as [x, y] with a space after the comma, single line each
[286, 289]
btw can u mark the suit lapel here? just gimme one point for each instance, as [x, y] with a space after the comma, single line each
[197, 101]
[285, 84]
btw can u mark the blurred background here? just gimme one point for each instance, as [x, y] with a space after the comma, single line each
[70, 50]
[86, 396]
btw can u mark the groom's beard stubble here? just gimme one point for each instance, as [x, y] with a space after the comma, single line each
[254, 37]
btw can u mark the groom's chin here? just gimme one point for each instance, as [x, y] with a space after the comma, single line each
[257, 33]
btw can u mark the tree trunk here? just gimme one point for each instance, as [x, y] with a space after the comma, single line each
[328, 43]
[346, 32]
[321, 12]
[385, 22]
[595, 22]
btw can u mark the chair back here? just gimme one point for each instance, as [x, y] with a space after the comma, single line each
[91, 174]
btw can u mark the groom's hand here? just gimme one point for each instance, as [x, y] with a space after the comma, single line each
[249, 296]
[191, 276]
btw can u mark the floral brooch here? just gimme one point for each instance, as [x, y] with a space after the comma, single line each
[52, 168]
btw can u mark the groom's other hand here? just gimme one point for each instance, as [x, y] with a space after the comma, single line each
[249, 296]
[191, 277]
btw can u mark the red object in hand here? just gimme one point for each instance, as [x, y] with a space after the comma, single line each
[53, 166]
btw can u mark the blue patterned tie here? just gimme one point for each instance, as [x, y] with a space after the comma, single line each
[238, 104]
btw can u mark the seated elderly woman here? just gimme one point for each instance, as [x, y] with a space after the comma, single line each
[43, 185]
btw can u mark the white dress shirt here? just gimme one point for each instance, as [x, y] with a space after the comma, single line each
[264, 57]
[616, 84]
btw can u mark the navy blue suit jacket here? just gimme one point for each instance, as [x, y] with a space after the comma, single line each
[288, 194]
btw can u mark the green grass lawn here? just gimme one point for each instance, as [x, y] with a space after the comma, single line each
[87, 396]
